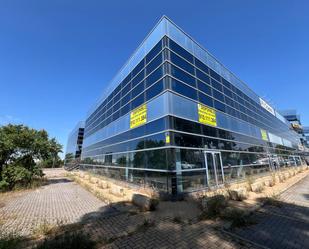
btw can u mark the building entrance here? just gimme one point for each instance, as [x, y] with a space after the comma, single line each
[214, 168]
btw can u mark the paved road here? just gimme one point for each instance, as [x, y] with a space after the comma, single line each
[286, 226]
[61, 201]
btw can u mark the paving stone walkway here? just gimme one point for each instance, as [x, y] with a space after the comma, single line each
[66, 202]
[61, 201]
[286, 226]
[169, 234]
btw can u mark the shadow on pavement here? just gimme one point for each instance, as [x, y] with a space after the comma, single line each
[121, 225]
[279, 225]
[57, 180]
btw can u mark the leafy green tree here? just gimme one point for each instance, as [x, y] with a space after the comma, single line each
[21, 150]
[69, 157]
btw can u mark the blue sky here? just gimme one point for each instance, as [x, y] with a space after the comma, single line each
[56, 57]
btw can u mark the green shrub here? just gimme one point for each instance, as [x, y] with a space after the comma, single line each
[4, 185]
[9, 241]
[77, 240]
[213, 207]
[16, 175]
[237, 216]
[272, 201]
[153, 204]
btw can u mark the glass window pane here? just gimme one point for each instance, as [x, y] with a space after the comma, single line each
[184, 89]
[153, 77]
[206, 100]
[154, 90]
[183, 76]
[219, 106]
[179, 50]
[182, 63]
[204, 87]
[202, 76]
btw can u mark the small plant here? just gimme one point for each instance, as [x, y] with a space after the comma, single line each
[272, 201]
[9, 241]
[237, 216]
[148, 223]
[177, 219]
[154, 202]
[249, 181]
[76, 240]
[145, 225]
[44, 228]
[272, 182]
[227, 185]
[213, 207]
[259, 189]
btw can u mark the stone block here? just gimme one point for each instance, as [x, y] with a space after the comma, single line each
[281, 177]
[103, 184]
[117, 190]
[238, 194]
[277, 179]
[94, 180]
[268, 183]
[257, 187]
[142, 201]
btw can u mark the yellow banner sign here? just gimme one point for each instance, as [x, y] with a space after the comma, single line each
[138, 116]
[167, 138]
[264, 135]
[206, 115]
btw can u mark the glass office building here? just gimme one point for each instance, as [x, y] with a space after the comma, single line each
[176, 119]
[306, 133]
[75, 143]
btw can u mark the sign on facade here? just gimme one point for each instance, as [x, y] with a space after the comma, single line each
[264, 135]
[206, 115]
[167, 138]
[267, 107]
[138, 116]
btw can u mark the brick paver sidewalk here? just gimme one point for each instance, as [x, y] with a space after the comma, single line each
[61, 201]
[64, 201]
[286, 226]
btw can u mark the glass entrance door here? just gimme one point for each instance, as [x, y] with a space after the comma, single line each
[214, 169]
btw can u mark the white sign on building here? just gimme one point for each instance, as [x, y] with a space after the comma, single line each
[267, 107]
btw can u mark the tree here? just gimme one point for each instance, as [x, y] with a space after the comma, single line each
[69, 158]
[21, 148]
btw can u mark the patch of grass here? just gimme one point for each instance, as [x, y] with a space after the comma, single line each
[213, 207]
[238, 217]
[32, 184]
[37, 182]
[77, 240]
[145, 225]
[272, 201]
[133, 212]
[259, 189]
[44, 228]
[9, 241]
[154, 202]
[249, 181]
[177, 219]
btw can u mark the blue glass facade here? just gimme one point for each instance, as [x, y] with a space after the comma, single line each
[175, 149]
[75, 143]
